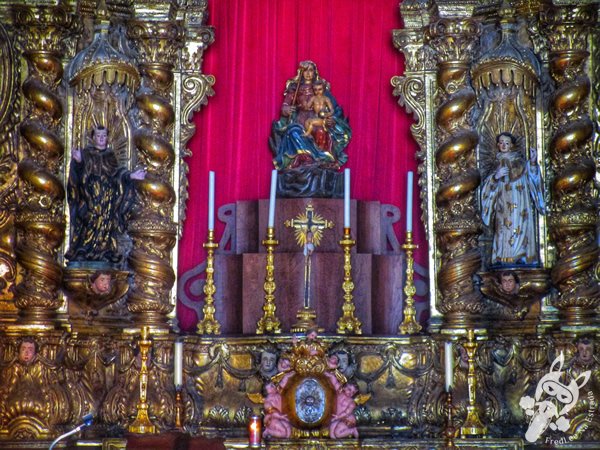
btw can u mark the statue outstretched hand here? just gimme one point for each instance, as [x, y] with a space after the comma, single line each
[533, 155]
[138, 174]
[76, 154]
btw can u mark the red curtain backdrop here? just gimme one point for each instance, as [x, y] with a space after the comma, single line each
[258, 45]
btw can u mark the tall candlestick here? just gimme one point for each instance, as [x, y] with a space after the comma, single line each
[449, 365]
[271, 223]
[409, 202]
[178, 363]
[211, 200]
[346, 198]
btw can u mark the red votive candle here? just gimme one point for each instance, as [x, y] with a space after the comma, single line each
[254, 431]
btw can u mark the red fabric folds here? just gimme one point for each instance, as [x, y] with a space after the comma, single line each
[257, 48]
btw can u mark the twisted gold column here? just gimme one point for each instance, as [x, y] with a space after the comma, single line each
[153, 231]
[457, 223]
[41, 192]
[574, 217]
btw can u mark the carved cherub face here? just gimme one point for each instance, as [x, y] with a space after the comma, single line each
[101, 285]
[100, 138]
[350, 390]
[268, 361]
[585, 352]
[283, 364]
[26, 352]
[508, 284]
[343, 361]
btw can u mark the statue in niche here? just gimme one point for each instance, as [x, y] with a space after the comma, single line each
[100, 195]
[511, 195]
[309, 138]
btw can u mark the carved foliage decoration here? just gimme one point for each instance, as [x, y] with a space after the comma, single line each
[122, 398]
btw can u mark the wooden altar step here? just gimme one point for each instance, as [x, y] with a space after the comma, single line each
[377, 444]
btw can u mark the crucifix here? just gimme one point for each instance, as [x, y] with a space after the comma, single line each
[308, 228]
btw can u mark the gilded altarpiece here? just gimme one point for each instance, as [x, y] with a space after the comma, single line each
[473, 71]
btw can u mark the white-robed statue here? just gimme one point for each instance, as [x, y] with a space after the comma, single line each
[510, 197]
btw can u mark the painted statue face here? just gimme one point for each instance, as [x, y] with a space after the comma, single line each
[101, 284]
[26, 352]
[508, 284]
[585, 352]
[311, 336]
[267, 361]
[505, 144]
[100, 138]
[318, 89]
[309, 73]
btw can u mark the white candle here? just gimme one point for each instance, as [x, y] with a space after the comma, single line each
[346, 198]
[211, 200]
[178, 363]
[409, 201]
[271, 223]
[448, 365]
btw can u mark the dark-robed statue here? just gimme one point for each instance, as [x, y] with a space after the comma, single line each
[309, 138]
[100, 196]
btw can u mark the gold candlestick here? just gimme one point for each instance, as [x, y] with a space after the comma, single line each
[209, 325]
[450, 431]
[142, 423]
[410, 324]
[179, 408]
[268, 323]
[472, 425]
[348, 323]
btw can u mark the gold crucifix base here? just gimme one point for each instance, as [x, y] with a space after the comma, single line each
[306, 321]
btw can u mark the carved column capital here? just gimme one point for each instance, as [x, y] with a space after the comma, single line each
[157, 41]
[42, 27]
[453, 38]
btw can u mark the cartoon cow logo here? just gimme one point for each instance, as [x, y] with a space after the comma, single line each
[558, 400]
